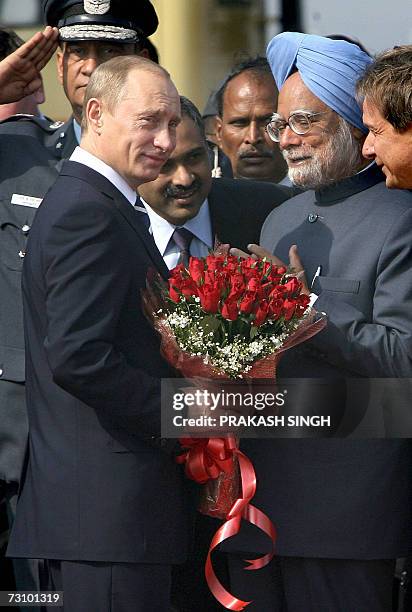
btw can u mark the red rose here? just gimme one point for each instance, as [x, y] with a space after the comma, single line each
[292, 286]
[237, 285]
[246, 305]
[232, 265]
[174, 290]
[209, 277]
[302, 304]
[275, 308]
[261, 314]
[230, 310]
[253, 285]
[189, 288]
[209, 298]
[178, 271]
[214, 262]
[196, 269]
[277, 293]
[289, 307]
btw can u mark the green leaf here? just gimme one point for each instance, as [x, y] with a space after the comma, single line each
[209, 324]
[253, 331]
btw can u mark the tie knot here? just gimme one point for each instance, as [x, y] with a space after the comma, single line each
[182, 237]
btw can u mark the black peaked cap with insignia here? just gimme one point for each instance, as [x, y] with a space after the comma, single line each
[121, 21]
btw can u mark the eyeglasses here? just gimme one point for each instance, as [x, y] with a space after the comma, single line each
[300, 122]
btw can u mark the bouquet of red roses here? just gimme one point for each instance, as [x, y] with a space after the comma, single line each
[224, 317]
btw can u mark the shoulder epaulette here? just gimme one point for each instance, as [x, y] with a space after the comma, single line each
[43, 122]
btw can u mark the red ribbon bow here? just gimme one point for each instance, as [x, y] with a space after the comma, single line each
[204, 459]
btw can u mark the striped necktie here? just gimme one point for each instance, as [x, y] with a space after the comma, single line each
[182, 237]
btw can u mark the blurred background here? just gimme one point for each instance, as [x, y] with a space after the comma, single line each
[198, 40]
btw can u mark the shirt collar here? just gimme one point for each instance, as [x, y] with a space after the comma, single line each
[88, 159]
[367, 167]
[349, 186]
[162, 230]
[77, 131]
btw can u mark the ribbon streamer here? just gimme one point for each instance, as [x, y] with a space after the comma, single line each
[207, 458]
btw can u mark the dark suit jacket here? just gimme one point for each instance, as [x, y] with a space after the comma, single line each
[95, 488]
[93, 376]
[238, 208]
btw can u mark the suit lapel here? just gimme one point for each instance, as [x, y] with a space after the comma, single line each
[134, 218]
[123, 206]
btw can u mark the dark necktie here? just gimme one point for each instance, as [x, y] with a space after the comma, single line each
[182, 238]
[143, 216]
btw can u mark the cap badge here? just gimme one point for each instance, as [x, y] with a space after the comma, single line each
[96, 7]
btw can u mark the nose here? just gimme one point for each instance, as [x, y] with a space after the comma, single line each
[165, 140]
[89, 65]
[183, 176]
[253, 133]
[368, 149]
[288, 138]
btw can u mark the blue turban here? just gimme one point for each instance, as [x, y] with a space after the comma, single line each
[328, 68]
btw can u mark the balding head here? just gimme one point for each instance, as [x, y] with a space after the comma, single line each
[131, 112]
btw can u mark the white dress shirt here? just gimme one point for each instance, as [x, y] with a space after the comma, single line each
[162, 231]
[82, 156]
[77, 131]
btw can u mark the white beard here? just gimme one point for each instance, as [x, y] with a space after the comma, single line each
[339, 157]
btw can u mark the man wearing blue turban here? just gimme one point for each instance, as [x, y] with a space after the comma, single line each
[342, 507]
[328, 68]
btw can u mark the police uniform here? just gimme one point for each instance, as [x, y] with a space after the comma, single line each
[31, 152]
[27, 170]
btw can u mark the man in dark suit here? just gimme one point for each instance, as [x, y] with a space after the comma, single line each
[102, 499]
[30, 159]
[387, 112]
[212, 210]
[343, 507]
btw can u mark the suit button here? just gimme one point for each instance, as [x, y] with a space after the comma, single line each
[312, 217]
[1, 371]
[25, 229]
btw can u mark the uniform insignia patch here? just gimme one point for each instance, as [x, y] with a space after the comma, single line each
[96, 7]
[55, 125]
